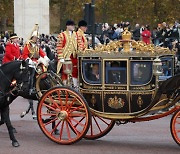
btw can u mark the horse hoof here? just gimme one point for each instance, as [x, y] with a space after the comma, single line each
[56, 132]
[1, 123]
[14, 130]
[15, 144]
[34, 117]
[22, 114]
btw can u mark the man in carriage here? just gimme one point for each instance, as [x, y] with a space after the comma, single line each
[35, 55]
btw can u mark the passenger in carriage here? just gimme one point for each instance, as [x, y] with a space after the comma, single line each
[34, 55]
[117, 72]
[94, 75]
[166, 68]
[12, 51]
[114, 76]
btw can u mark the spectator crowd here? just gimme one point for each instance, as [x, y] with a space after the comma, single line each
[46, 42]
[166, 35]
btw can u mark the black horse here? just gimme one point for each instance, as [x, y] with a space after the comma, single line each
[19, 71]
[44, 84]
[8, 72]
[171, 87]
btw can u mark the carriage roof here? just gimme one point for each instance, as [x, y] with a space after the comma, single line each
[137, 49]
[126, 48]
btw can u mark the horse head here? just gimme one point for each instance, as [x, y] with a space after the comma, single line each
[15, 70]
[21, 70]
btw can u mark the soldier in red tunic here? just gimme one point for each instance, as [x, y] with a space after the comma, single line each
[33, 52]
[34, 55]
[12, 51]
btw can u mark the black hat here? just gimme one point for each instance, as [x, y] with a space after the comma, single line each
[14, 35]
[82, 23]
[70, 23]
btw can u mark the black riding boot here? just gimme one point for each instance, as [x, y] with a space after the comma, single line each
[31, 80]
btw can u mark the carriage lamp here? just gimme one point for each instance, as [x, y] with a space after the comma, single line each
[157, 67]
[67, 69]
[67, 66]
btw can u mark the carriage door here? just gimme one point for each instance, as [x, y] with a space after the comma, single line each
[115, 93]
[142, 84]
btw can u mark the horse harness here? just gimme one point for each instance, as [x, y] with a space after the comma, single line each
[13, 85]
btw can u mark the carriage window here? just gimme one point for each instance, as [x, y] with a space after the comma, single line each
[141, 72]
[167, 64]
[116, 72]
[92, 71]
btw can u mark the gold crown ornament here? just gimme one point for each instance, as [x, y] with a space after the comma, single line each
[126, 35]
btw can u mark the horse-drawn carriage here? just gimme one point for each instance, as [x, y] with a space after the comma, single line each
[125, 81]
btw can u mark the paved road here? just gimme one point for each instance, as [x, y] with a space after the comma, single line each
[147, 137]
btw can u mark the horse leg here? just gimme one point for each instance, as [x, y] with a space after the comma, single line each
[5, 115]
[32, 109]
[56, 132]
[2, 122]
[31, 80]
[25, 112]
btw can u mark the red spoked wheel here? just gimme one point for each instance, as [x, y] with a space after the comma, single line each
[175, 127]
[99, 127]
[65, 110]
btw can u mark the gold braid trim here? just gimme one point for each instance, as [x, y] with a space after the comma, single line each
[33, 51]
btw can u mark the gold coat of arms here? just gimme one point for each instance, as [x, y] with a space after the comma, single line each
[116, 102]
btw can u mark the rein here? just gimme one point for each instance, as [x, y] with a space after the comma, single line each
[14, 85]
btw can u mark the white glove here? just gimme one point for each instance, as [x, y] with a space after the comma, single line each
[61, 60]
[47, 59]
[43, 61]
[31, 63]
[46, 63]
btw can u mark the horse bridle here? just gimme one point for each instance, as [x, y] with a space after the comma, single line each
[15, 86]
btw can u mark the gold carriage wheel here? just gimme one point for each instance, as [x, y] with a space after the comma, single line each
[46, 81]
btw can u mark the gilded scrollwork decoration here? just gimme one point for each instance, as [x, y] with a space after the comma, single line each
[140, 101]
[93, 100]
[127, 45]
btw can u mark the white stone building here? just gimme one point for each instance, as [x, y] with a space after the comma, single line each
[29, 12]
